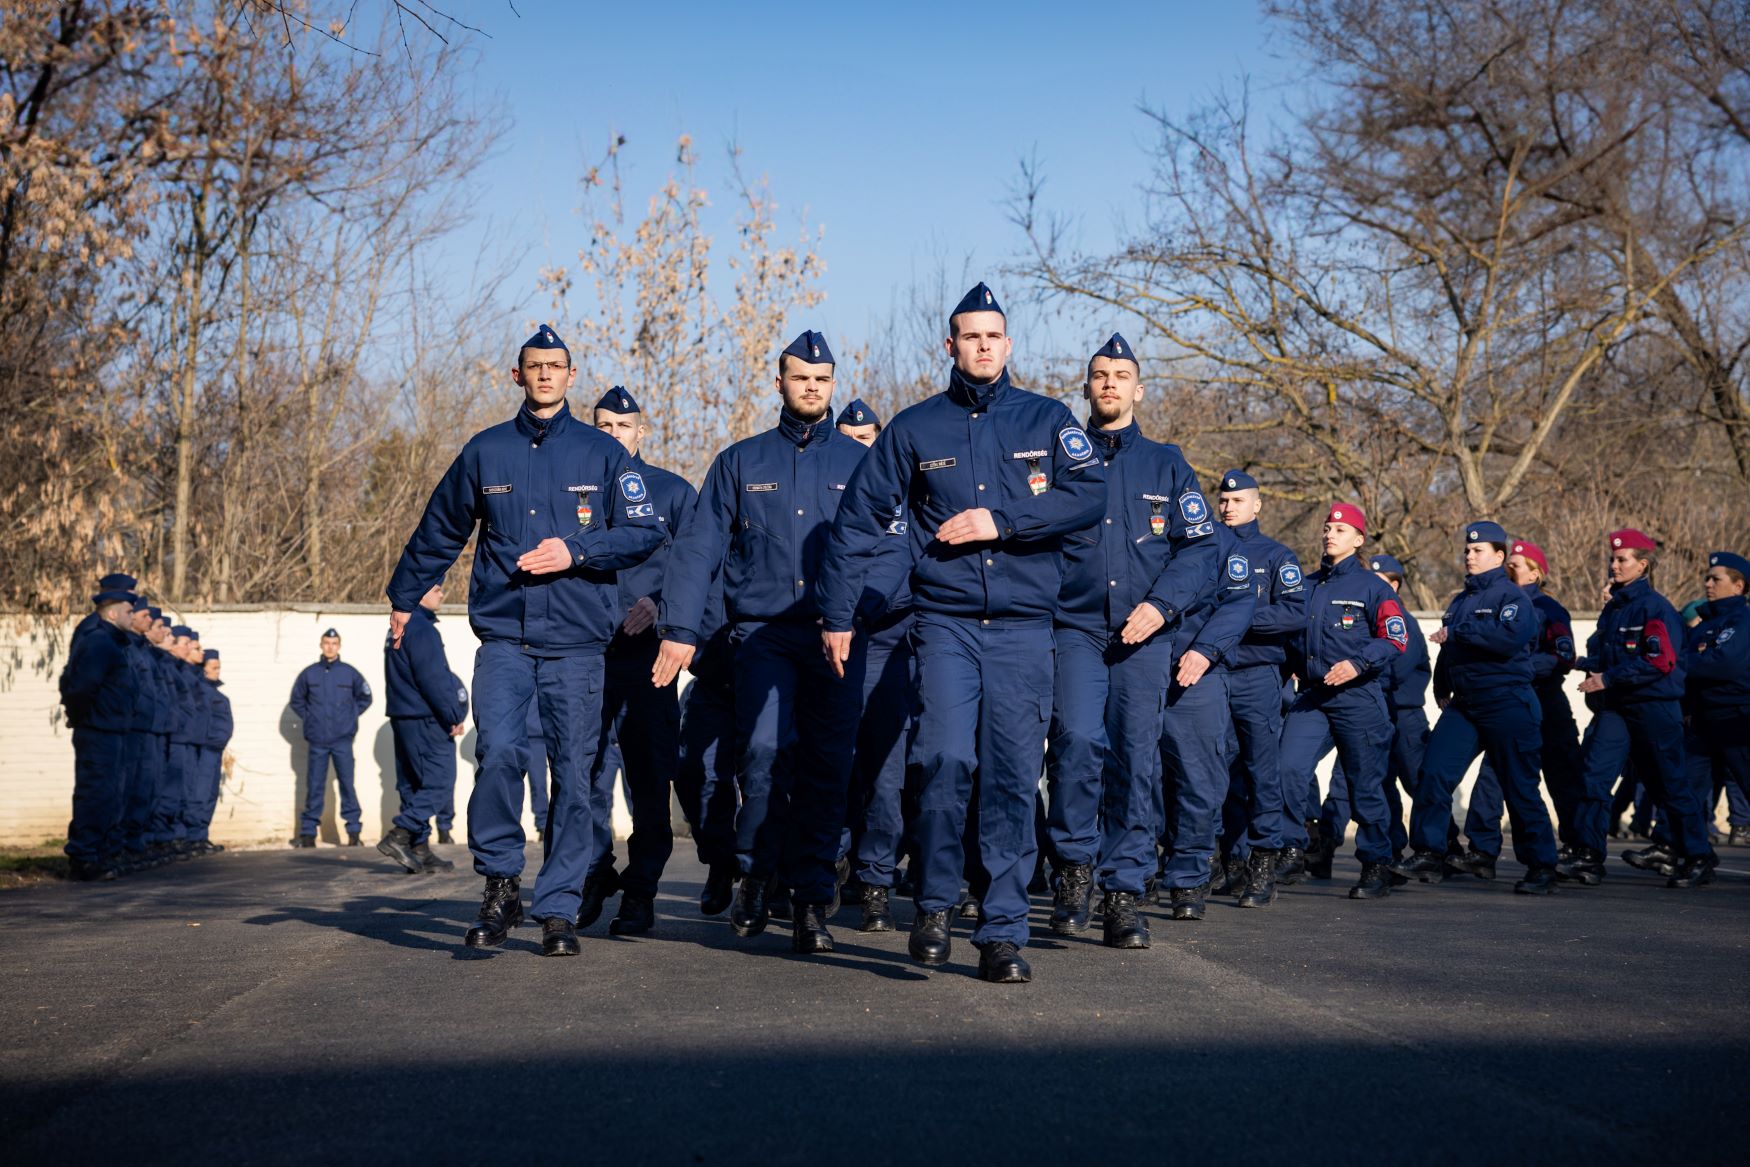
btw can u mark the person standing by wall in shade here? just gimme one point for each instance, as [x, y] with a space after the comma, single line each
[328, 698]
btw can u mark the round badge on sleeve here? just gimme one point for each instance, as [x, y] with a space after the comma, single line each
[632, 486]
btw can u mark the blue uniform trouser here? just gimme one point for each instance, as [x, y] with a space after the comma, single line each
[316, 783]
[203, 799]
[640, 739]
[538, 783]
[567, 690]
[1505, 725]
[878, 773]
[1130, 774]
[1254, 810]
[1648, 734]
[1194, 753]
[185, 760]
[793, 722]
[1409, 740]
[984, 701]
[425, 772]
[1356, 722]
[1560, 758]
[1718, 753]
[98, 780]
[1075, 756]
[704, 782]
[167, 799]
[130, 827]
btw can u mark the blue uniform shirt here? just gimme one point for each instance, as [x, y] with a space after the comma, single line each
[95, 685]
[1280, 591]
[189, 720]
[1217, 625]
[521, 482]
[763, 515]
[1490, 628]
[417, 675]
[144, 680]
[1406, 681]
[1156, 543]
[673, 499]
[164, 668]
[219, 724]
[1553, 653]
[1716, 660]
[1635, 647]
[328, 698]
[1019, 454]
[1351, 615]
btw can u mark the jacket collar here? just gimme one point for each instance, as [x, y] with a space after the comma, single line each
[539, 429]
[1484, 579]
[968, 395]
[1109, 442]
[798, 432]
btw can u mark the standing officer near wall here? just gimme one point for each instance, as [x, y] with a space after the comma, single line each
[99, 701]
[427, 705]
[217, 725]
[328, 697]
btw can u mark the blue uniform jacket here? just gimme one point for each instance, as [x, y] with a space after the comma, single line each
[714, 662]
[1553, 654]
[328, 699]
[1351, 615]
[674, 501]
[1280, 588]
[1156, 543]
[189, 721]
[1716, 661]
[145, 681]
[520, 482]
[763, 515]
[95, 685]
[1490, 628]
[417, 675]
[218, 725]
[1636, 648]
[1019, 454]
[1406, 681]
[164, 668]
[1218, 623]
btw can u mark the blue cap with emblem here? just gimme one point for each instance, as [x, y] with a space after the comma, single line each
[1118, 349]
[155, 613]
[1732, 560]
[810, 347]
[184, 631]
[140, 604]
[1486, 532]
[857, 413]
[1237, 480]
[979, 299]
[1385, 563]
[617, 400]
[209, 654]
[117, 581]
[545, 337]
[334, 632]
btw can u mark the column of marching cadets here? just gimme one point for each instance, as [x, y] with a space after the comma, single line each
[894, 630]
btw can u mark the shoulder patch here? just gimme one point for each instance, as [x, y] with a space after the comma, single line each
[1509, 612]
[1289, 575]
[1238, 567]
[632, 486]
[1726, 634]
[1075, 443]
[1395, 627]
[1192, 506]
[1200, 530]
[643, 510]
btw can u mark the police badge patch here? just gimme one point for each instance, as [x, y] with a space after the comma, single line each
[1395, 629]
[1075, 443]
[1192, 506]
[1238, 568]
[632, 486]
[1289, 574]
[584, 512]
[1509, 612]
[1726, 634]
[1157, 524]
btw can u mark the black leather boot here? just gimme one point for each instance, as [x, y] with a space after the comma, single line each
[1121, 926]
[1427, 866]
[931, 940]
[90, 871]
[1000, 963]
[778, 900]
[808, 934]
[637, 915]
[1693, 872]
[1289, 866]
[1260, 889]
[971, 909]
[1586, 868]
[353, 840]
[751, 914]
[1375, 882]
[398, 845]
[501, 909]
[877, 915]
[300, 841]
[1472, 862]
[444, 838]
[1187, 902]
[596, 890]
[719, 889]
[1069, 912]
[1319, 858]
[840, 873]
[1538, 881]
[431, 860]
[558, 937]
[1655, 858]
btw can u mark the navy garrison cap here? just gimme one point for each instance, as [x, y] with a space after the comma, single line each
[155, 613]
[117, 581]
[979, 299]
[810, 347]
[617, 400]
[1118, 349]
[334, 632]
[545, 337]
[182, 630]
[1238, 480]
[856, 413]
[1486, 532]
[1729, 559]
[209, 654]
[112, 595]
[1385, 563]
[140, 604]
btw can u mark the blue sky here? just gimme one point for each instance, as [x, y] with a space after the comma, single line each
[898, 128]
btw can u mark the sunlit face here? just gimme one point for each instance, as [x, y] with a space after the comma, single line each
[1238, 506]
[140, 621]
[330, 648]
[545, 375]
[806, 388]
[626, 428]
[980, 345]
[211, 668]
[1113, 388]
[118, 613]
[159, 634]
[1481, 557]
[1523, 571]
[861, 433]
[1625, 566]
[1341, 541]
[1718, 583]
[431, 602]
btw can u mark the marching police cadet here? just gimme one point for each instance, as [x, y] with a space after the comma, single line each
[427, 705]
[560, 508]
[641, 723]
[1634, 686]
[1254, 807]
[1482, 683]
[992, 478]
[217, 725]
[1551, 658]
[166, 790]
[188, 728]
[1716, 666]
[328, 697]
[1355, 629]
[1196, 729]
[1406, 693]
[100, 708]
[1128, 580]
[859, 422]
[762, 518]
[704, 779]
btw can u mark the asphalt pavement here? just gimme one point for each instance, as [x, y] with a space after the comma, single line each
[317, 1006]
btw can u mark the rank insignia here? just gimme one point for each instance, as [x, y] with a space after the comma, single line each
[1157, 524]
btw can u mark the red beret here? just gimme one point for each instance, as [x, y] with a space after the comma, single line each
[1629, 539]
[1534, 553]
[1343, 512]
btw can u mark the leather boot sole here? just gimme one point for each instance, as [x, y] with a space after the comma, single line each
[480, 937]
[401, 855]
